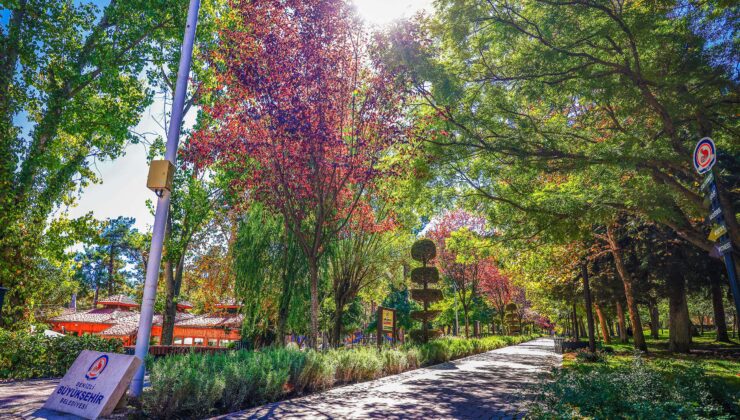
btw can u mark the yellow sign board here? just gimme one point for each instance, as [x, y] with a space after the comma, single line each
[718, 231]
[387, 320]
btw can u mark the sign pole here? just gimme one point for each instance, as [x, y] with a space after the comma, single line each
[163, 202]
[730, 265]
[704, 158]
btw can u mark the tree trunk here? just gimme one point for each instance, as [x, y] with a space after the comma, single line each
[679, 327]
[95, 296]
[284, 309]
[622, 324]
[589, 311]
[603, 324]
[173, 282]
[654, 318]
[465, 315]
[339, 304]
[314, 276]
[110, 271]
[616, 251]
[575, 322]
[720, 321]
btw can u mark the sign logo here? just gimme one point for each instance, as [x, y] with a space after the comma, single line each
[97, 367]
[704, 155]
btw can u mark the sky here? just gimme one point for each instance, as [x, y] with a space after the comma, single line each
[123, 189]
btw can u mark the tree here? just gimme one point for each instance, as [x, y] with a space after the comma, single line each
[360, 257]
[69, 73]
[497, 289]
[270, 273]
[304, 114]
[637, 85]
[107, 261]
[461, 254]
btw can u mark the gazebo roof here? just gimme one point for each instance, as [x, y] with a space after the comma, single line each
[229, 303]
[96, 316]
[213, 321]
[184, 305]
[118, 300]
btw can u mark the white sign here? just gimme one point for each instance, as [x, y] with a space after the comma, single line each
[725, 248]
[94, 384]
[715, 214]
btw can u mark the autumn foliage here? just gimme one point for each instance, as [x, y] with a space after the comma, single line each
[301, 113]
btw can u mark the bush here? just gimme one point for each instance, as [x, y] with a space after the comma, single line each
[395, 361]
[200, 384]
[583, 355]
[355, 365]
[663, 389]
[25, 355]
[317, 373]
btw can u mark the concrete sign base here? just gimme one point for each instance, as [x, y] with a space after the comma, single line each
[94, 384]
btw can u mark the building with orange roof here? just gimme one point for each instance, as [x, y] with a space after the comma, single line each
[119, 318]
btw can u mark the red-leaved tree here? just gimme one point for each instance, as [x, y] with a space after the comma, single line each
[460, 257]
[301, 115]
[497, 289]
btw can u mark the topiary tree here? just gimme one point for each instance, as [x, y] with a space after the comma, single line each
[511, 319]
[424, 251]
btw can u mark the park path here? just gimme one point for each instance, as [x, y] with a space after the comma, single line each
[495, 384]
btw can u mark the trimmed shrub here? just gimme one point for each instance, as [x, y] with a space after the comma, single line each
[317, 373]
[395, 361]
[413, 358]
[356, 365]
[25, 355]
[201, 385]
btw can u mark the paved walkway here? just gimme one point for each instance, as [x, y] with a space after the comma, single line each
[489, 385]
[25, 399]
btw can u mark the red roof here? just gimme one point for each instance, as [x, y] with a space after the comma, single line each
[228, 304]
[184, 305]
[213, 321]
[96, 316]
[117, 300]
[129, 326]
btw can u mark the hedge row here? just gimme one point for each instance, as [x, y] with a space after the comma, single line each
[25, 355]
[201, 385]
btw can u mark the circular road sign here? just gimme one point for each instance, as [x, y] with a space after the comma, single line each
[705, 155]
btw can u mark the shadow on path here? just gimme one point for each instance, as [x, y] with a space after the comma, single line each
[496, 384]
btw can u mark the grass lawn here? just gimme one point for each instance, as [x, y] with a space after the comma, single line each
[659, 384]
[716, 357]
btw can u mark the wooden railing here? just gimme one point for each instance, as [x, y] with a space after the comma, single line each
[159, 351]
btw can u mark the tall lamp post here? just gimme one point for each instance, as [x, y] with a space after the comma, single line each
[163, 201]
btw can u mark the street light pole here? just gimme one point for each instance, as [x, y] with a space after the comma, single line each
[163, 202]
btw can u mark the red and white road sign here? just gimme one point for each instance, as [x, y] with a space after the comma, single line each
[705, 155]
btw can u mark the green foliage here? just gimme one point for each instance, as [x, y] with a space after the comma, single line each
[199, 384]
[451, 348]
[33, 355]
[360, 364]
[70, 77]
[270, 275]
[423, 250]
[583, 355]
[663, 389]
[397, 361]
